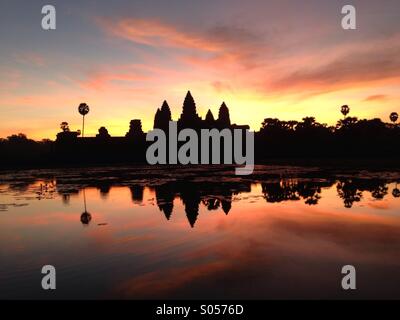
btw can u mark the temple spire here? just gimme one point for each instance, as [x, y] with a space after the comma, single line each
[189, 117]
[224, 120]
[162, 117]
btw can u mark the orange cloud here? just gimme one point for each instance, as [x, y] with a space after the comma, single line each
[221, 44]
[156, 33]
[376, 97]
[103, 79]
[348, 67]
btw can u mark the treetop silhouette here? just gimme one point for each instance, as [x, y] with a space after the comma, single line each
[345, 109]
[83, 110]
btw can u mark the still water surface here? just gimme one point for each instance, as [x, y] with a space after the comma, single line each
[139, 232]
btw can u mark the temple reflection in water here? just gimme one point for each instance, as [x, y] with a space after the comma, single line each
[219, 196]
[213, 195]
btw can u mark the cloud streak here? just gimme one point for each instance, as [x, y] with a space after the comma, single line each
[376, 97]
[155, 33]
[352, 69]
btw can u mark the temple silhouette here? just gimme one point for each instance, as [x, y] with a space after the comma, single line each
[188, 119]
[350, 138]
[132, 147]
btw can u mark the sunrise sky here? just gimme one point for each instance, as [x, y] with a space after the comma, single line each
[264, 58]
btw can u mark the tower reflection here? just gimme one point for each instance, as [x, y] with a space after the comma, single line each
[219, 196]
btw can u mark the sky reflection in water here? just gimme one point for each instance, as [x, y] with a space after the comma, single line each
[276, 236]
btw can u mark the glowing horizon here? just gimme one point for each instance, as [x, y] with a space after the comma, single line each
[265, 59]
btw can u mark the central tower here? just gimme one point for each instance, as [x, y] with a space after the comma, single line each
[189, 117]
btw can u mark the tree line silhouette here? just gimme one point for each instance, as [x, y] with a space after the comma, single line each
[349, 138]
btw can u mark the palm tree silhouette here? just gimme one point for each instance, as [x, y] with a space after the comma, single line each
[345, 110]
[86, 217]
[83, 110]
[393, 117]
